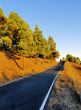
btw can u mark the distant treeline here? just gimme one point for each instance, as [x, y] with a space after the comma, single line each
[71, 58]
[17, 36]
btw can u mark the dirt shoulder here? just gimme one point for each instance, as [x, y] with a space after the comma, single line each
[65, 93]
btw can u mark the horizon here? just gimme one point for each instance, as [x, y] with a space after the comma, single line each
[60, 19]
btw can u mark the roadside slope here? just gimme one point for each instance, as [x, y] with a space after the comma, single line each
[73, 71]
[67, 87]
[11, 68]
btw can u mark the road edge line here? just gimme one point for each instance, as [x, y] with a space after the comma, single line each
[48, 93]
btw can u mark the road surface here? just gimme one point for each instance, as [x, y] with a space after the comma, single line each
[28, 93]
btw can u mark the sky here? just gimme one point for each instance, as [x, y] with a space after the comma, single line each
[58, 18]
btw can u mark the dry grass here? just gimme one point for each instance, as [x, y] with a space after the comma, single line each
[64, 95]
[73, 71]
[11, 68]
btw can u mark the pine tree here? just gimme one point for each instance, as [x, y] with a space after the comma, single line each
[22, 36]
[3, 19]
[52, 45]
[42, 48]
[16, 35]
[3, 22]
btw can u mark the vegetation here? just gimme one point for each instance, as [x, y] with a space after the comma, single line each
[71, 58]
[73, 71]
[17, 37]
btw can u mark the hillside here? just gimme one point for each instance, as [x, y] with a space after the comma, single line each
[13, 67]
[73, 71]
[65, 95]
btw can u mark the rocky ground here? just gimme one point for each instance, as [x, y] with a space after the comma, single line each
[64, 95]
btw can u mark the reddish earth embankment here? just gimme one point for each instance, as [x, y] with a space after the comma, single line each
[65, 94]
[12, 67]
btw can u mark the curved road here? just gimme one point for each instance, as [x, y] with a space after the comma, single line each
[28, 93]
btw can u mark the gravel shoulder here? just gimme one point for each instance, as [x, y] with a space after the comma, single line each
[64, 95]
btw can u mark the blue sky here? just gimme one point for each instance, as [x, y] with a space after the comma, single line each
[58, 18]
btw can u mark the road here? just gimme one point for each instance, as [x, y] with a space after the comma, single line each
[28, 93]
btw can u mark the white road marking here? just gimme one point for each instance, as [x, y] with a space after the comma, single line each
[48, 93]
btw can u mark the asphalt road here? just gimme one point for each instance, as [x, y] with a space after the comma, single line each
[28, 93]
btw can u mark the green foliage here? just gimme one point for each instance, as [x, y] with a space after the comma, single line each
[6, 43]
[3, 19]
[77, 60]
[22, 35]
[42, 47]
[3, 22]
[73, 59]
[52, 46]
[16, 35]
[69, 57]
[56, 54]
